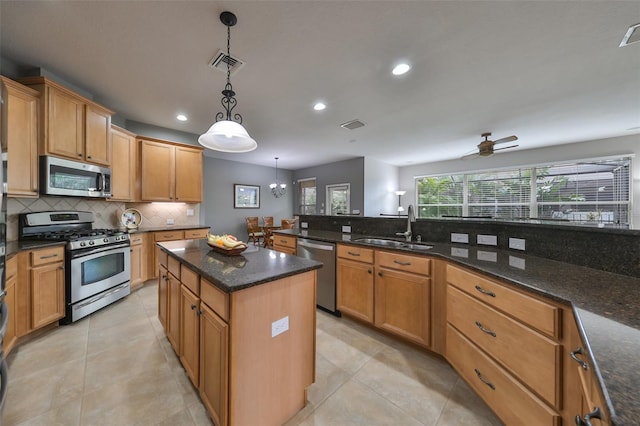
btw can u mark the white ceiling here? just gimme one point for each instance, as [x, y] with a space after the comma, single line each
[550, 72]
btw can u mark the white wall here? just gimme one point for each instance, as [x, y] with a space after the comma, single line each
[576, 151]
[380, 182]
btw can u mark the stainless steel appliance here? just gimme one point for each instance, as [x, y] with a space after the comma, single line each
[97, 261]
[326, 287]
[4, 311]
[73, 178]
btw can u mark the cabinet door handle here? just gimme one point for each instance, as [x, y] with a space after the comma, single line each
[48, 257]
[483, 291]
[486, 330]
[193, 306]
[401, 263]
[483, 380]
[369, 271]
[595, 414]
[350, 253]
[574, 356]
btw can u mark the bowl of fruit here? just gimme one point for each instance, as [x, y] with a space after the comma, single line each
[226, 244]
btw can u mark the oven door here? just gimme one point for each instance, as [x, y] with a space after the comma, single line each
[95, 270]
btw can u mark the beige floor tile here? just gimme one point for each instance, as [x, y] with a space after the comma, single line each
[465, 408]
[106, 338]
[67, 414]
[329, 378]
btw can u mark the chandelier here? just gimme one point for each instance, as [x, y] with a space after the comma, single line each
[278, 189]
[225, 134]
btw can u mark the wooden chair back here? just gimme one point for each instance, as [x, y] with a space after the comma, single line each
[288, 223]
[267, 220]
[254, 231]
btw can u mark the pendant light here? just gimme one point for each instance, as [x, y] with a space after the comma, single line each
[225, 134]
[278, 189]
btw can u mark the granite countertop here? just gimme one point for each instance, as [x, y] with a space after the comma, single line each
[164, 228]
[606, 306]
[13, 247]
[254, 266]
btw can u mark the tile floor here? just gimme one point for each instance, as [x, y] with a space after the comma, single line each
[117, 368]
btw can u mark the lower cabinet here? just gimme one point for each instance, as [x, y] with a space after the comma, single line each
[40, 292]
[354, 282]
[285, 243]
[138, 259]
[163, 295]
[174, 295]
[11, 271]
[214, 364]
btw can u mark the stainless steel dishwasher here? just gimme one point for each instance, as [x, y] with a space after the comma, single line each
[326, 253]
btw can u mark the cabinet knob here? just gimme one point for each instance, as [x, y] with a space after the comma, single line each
[193, 306]
[369, 271]
[88, 156]
[79, 155]
[379, 274]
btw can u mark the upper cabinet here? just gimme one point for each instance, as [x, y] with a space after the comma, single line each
[72, 126]
[22, 140]
[123, 169]
[170, 172]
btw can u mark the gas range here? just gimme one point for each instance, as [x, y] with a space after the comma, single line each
[73, 227]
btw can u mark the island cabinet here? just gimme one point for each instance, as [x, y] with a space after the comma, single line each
[22, 140]
[506, 345]
[40, 291]
[251, 351]
[285, 243]
[124, 167]
[173, 235]
[390, 290]
[72, 126]
[169, 171]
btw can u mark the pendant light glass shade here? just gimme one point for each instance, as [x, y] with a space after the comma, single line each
[227, 136]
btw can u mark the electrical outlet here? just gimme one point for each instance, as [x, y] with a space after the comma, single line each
[516, 243]
[459, 238]
[346, 229]
[304, 225]
[170, 221]
[488, 240]
[280, 326]
[190, 212]
[355, 211]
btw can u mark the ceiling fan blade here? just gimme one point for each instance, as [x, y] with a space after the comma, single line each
[505, 140]
[470, 156]
[506, 147]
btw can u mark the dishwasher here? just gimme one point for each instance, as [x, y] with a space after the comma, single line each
[324, 252]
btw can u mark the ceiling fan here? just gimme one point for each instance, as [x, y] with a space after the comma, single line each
[486, 149]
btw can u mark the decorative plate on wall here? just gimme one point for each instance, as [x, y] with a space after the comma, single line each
[131, 219]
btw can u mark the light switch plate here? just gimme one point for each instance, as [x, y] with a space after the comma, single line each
[279, 326]
[355, 211]
[304, 225]
[459, 238]
[170, 221]
[488, 240]
[190, 212]
[516, 243]
[346, 229]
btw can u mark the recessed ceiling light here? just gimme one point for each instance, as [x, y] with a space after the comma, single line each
[181, 117]
[319, 106]
[400, 69]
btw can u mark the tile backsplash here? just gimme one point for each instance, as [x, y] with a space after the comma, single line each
[107, 213]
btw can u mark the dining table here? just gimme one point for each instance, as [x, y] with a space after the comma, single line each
[267, 230]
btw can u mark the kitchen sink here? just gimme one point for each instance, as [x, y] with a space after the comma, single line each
[392, 243]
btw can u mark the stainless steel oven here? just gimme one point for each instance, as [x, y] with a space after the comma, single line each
[97, 277]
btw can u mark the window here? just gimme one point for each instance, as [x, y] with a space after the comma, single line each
[338, 199]
[307, 196]
[588, 192]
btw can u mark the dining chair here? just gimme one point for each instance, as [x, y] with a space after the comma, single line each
[288, 223]
[267, 221]
[254, 230]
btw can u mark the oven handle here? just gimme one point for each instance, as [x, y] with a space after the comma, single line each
[4, 320]
[86, 252]
[97, 297]
[4, 380]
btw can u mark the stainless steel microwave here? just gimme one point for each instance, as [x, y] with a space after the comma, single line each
[73, 178]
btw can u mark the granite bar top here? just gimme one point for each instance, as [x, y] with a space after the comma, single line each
[254, 266]
[606, 306]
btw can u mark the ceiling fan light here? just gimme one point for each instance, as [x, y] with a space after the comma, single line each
[227, 136]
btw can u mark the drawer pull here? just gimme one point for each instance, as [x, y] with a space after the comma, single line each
[574, 356]
[402, 263]
[595, 414]
[486, 330]
[350, 253]
[48, 257]
[483, 380]
[483, 291]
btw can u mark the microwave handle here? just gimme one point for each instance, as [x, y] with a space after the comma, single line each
[100, 181]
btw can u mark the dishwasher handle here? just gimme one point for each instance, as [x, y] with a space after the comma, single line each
[307, 243]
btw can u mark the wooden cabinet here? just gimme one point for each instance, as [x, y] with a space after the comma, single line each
[163, 295]
[506, 345]
[22, 140]
[173, 311]
[403, 296]
[41, 293]
[124, 166]
[354, 282]
[72, 126]
[11, 271]
[195, 234]
[138, 259]
[190, 334]
[285, 243]
[214, 364]
[170, 172]
[158, 237]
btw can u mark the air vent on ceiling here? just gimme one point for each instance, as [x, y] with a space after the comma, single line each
[632, 35]
[353, 124]
[221, 59]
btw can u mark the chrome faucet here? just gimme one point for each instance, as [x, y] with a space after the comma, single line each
[411, 217]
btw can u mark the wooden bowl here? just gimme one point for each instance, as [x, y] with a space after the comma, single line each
[228, 251]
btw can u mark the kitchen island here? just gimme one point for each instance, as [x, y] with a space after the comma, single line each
[243, 327]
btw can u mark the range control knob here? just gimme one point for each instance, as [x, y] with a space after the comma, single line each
[106, 240]
[91, 242]
[82, 244]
